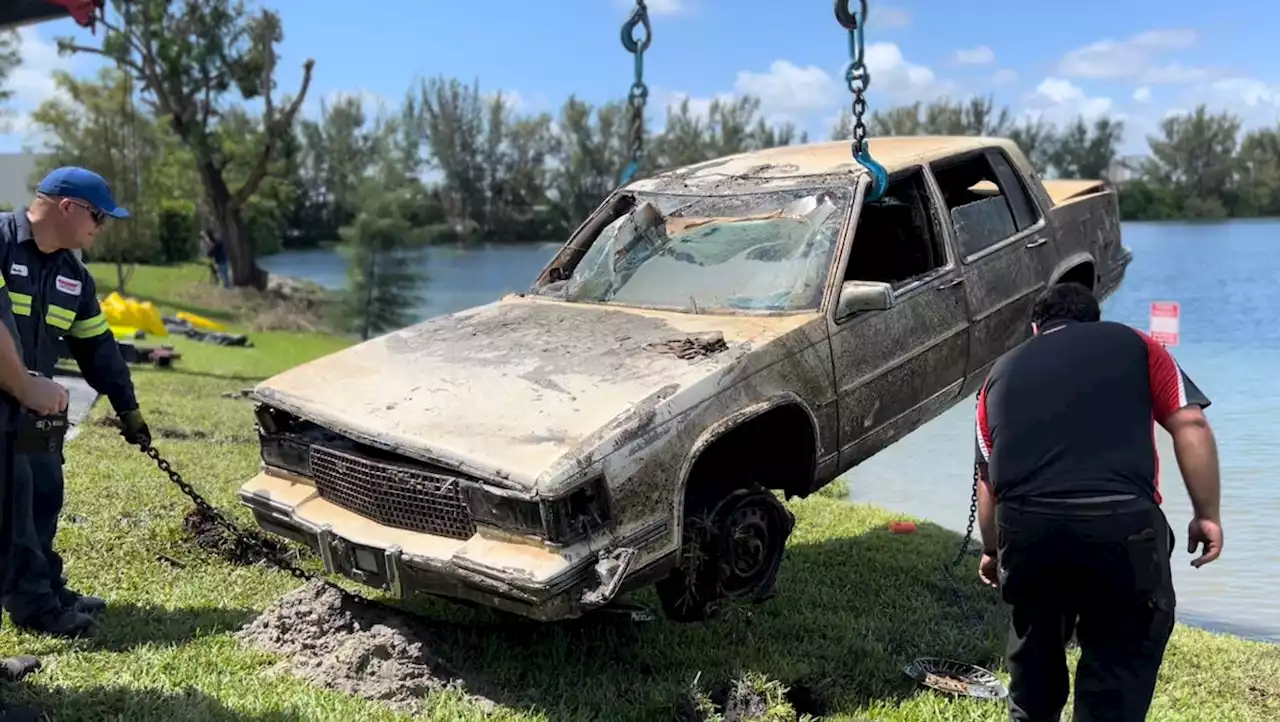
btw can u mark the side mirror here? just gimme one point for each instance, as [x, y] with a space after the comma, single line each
[859, 296]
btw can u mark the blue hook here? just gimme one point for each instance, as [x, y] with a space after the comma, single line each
[879, 176]
[628, 172]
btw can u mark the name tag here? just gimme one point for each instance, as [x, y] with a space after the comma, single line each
[69, 286]
[18, 269]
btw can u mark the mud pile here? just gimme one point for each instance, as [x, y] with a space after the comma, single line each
[199, 528]
[340, 645]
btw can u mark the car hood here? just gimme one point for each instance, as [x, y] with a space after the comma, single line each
[506, 390]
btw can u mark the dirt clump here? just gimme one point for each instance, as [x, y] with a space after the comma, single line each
[339, 644]
[199, 528]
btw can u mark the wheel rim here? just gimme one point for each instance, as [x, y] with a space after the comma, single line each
[752, 535]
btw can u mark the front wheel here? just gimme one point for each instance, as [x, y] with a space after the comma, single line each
[731, 549]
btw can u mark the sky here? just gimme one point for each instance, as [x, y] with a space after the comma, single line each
[1138, 60]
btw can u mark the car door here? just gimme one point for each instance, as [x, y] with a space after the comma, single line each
[1006, 252]
[899, 367]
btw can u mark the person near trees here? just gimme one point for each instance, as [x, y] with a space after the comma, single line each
[1069, 501]
[54, 299]
[216, 251]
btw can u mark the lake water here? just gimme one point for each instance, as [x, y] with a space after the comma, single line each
[1223, 274]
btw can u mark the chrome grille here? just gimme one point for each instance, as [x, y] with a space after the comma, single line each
[392, 494]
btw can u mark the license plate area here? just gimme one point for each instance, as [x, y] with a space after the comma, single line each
[371, 566]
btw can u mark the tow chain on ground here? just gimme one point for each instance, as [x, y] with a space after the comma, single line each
[273, 557]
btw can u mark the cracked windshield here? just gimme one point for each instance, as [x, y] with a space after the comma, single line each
[754, 252]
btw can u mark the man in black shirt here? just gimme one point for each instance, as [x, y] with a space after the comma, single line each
[1069, 505]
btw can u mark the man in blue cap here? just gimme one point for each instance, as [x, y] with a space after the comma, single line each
[54, 299]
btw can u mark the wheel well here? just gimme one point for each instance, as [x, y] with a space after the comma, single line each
[1082, 273]
[775, 449]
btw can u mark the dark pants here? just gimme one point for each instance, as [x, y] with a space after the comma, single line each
[1101, 569]
[6, 496]
[33, 581]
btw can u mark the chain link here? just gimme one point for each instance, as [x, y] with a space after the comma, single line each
[639, 92]
[247, 541]
[973, 517]
[858, 78]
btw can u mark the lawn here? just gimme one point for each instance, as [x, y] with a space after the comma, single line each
[855, 602]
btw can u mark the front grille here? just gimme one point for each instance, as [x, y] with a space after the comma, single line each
[392, 494]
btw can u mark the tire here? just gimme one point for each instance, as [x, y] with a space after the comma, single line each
[731, 549]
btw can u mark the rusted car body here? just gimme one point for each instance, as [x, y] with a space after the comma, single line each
[708, 337]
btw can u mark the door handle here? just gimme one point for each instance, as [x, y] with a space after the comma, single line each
[951, 284]
[1037, 242]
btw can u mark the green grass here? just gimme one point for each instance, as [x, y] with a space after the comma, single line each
[855, 604]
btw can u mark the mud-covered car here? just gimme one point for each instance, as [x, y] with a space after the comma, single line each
[706, 338]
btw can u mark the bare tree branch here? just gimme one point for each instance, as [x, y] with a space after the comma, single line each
[274, 128]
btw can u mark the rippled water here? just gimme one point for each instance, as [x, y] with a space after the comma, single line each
[1227, 278]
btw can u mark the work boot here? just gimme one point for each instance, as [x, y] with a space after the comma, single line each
[18, 714]
[15, 669]
[83, 603]
[59, 623]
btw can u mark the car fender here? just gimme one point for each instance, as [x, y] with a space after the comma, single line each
[713, 432]
[1071, 262]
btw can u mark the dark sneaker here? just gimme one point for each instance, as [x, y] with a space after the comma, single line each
[15, 669]
[59, 623]
[83, 603]
[18, 714]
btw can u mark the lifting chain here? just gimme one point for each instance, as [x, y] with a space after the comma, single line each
[858, 79]
[248, 541]
[968, 534]
[950, 569]
[639, 91]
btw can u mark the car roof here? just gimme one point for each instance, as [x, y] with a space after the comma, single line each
[792, 165]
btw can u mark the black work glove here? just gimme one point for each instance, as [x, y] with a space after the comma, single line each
[134, 429]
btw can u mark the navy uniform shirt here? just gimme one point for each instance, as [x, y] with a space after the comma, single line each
[1071, 413]
[54, 298]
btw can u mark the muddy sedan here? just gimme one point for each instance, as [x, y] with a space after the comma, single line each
[707, 338]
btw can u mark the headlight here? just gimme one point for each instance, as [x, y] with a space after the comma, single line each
[281, 446]
[286, 452]
[519, 516]
[572, 517]
[562, 521]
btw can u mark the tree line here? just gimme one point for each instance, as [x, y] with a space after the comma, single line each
[188, 127]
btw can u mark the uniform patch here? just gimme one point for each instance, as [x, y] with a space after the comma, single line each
[69, 286]
[18, 269]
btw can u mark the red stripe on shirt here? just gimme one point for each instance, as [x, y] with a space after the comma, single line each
[1168, 394]
[983, 427]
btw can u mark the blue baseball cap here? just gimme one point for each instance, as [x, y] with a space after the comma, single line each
[82, 184]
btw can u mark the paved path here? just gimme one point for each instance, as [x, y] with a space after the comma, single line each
[82, 398]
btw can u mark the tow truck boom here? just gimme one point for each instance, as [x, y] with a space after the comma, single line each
[15, 13]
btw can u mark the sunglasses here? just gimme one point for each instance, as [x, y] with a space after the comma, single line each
[99, 216]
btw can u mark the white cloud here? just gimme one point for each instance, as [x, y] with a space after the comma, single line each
[1004, 76]
[1142, 95]
[889, 17]
[980, 55]
[1140, 57]
[1246, 92]
[809, 95]
[788, 89]
[32, 81]
[1057, 100]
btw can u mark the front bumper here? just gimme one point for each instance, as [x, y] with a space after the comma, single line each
[536, 582]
